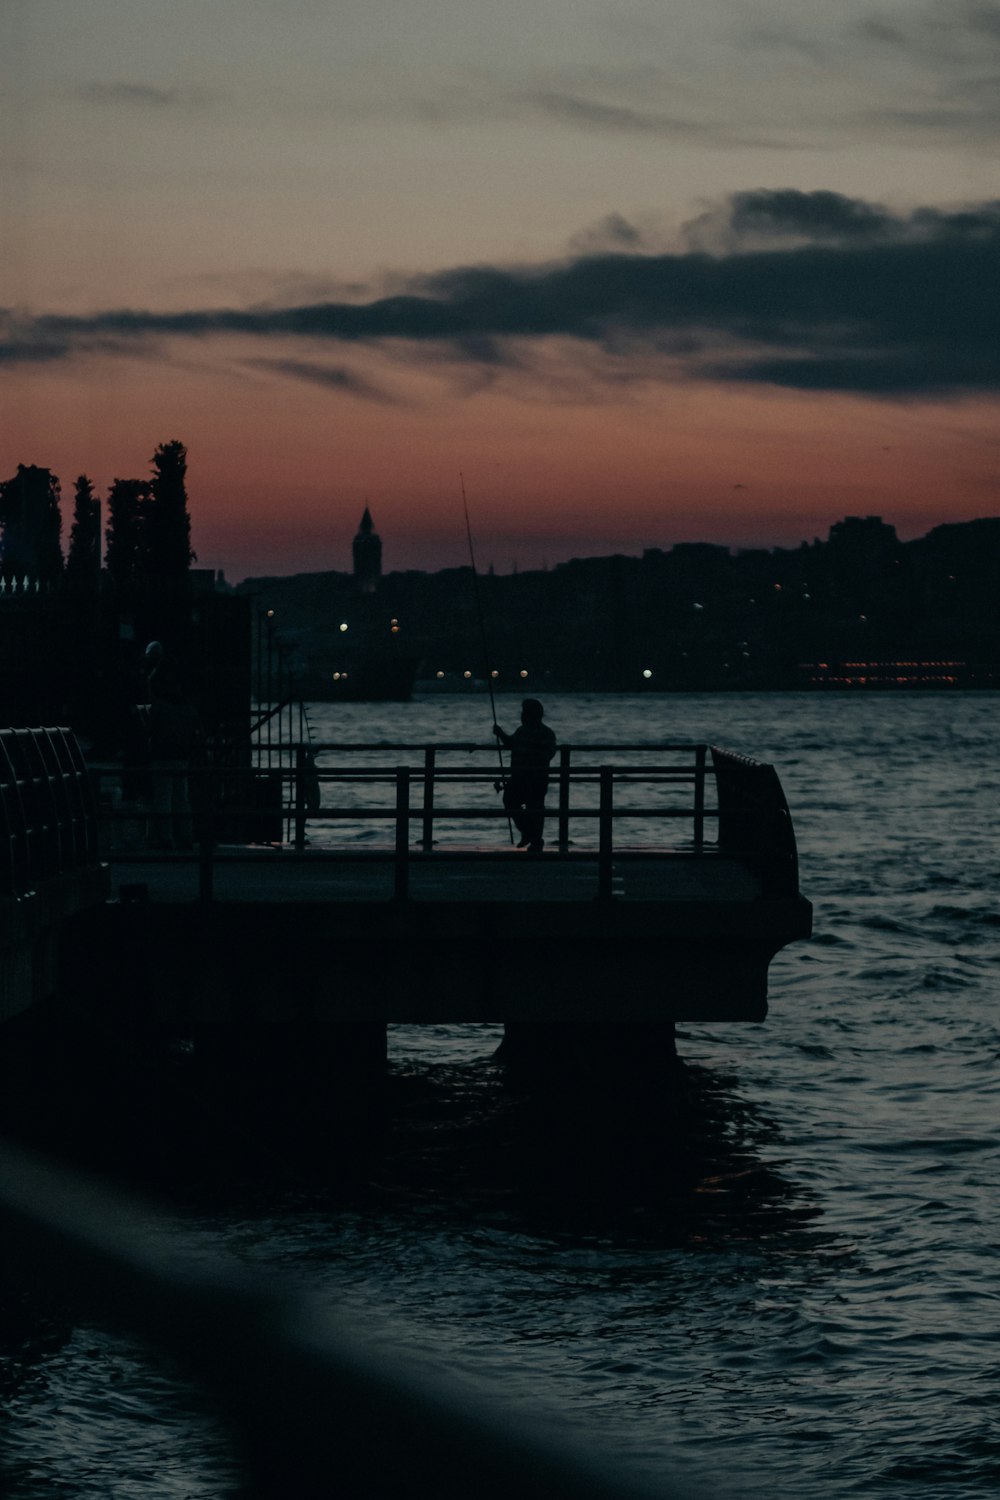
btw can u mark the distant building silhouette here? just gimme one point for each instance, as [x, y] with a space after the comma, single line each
[367, 555]
[861, 608]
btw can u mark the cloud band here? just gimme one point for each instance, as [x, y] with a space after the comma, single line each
[811, 291]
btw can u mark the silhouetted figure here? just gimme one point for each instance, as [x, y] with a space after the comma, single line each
[173, 730]
[531, 749]
[311, 789]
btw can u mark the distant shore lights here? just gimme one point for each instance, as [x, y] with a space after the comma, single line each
[494, 674]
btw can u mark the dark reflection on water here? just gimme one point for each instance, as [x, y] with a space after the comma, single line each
[673, 1166]
[529, 1196]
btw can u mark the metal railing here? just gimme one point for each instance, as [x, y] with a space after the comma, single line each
[315, 810]
[48, 816]
[321, 801]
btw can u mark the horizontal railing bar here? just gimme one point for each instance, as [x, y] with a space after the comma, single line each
[378, 773]
[463, 747]
[682, 775]
[659, 746]
[485, 778]
[388, 814]
[415, 813]
[232, 854]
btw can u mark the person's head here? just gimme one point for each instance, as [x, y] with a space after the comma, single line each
[531, 711]
[153, 654]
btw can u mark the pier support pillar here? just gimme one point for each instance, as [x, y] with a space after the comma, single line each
[627, 1052]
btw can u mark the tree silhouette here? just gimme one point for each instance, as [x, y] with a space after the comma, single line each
[124, 556]
[32, 525]
[166, 525]
[83, 565]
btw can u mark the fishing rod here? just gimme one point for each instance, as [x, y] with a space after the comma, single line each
[482, 633]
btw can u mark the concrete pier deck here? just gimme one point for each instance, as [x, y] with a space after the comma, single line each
[479, 937]
[283, 876]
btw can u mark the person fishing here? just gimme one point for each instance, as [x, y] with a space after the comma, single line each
[531, 747]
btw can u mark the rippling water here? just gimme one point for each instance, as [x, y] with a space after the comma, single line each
[801, 1300]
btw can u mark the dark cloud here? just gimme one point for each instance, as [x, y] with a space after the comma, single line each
[862, 299]
[878, 30]
[332, 377]
[606, 106]
[937, 32]
[140, 95]
[978, 17]
[614, 232]
[788, 216]
[26, 351]
[817, 215]
[578, 109]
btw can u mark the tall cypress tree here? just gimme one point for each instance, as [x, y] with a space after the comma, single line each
[166, 527]
[124, 556]
[83, 565]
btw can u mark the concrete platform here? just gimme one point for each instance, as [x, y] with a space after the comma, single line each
[481, 937]
[283, 876]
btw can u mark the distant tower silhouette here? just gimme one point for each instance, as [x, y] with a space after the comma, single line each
[367, 555]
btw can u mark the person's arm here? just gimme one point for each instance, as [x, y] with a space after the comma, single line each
[502, 736]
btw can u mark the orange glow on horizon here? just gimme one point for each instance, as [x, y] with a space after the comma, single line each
[280, 469]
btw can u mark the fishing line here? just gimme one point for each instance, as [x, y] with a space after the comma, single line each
[482, 633]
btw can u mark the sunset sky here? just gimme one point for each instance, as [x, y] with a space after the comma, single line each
[644, 271]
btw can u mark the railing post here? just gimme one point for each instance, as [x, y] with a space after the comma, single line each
[699, 800]
[564, 755]
[300, 797]
[402, 867]
[428, 823]
[205, 848]
[605, 844]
